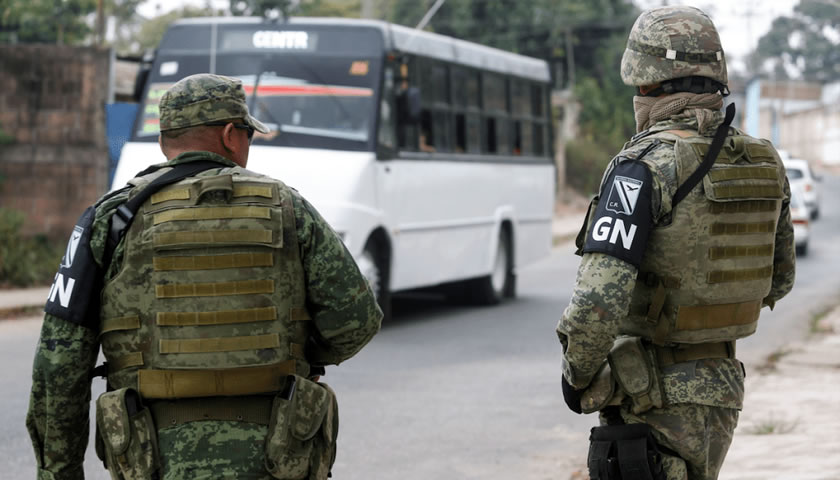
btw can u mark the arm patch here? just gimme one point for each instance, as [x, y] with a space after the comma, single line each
[621, 223]
[74, 295]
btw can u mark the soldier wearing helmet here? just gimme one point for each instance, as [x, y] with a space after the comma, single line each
[688, 239]
[217, 295]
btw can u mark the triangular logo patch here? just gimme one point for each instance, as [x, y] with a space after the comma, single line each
[72, 246]
[624, 194]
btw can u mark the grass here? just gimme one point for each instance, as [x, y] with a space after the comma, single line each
[771, 362]
[817, 325]
[772, 426]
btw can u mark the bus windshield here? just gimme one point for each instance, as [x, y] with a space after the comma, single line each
[306, 98]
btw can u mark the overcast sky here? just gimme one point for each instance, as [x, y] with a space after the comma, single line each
[740, 22]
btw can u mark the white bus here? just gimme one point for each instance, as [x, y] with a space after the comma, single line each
[430, 156]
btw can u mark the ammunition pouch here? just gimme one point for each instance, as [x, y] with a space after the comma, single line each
[635, 369]
[302, 431]
[624, 452]
[126, 436]
[601, 392]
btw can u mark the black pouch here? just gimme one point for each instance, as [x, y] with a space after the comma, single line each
[624, 452]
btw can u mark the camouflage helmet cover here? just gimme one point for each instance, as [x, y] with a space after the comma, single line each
[672, 42]
[205, 98]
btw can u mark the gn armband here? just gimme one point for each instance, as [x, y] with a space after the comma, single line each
[75, 290]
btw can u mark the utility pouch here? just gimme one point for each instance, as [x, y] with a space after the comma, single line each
[624, 452]
[636, 372]
[301, 433]
[128, 436]
[600, 392]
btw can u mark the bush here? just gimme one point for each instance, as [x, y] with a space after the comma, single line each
[25, 261]
[585, 164]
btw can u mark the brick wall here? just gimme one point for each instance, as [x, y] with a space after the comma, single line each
[52, 102]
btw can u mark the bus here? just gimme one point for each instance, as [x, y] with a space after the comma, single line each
[430, 156]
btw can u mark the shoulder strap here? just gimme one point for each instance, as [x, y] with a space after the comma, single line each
[122, 218]
[709, 160]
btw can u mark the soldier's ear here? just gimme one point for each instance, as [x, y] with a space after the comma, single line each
[229, 139]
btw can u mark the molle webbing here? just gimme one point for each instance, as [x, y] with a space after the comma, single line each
[250, 409]
[238, 191]
[213, 383]
[214, 262]
[218, 289]
[211, 213]
[749, 206]
[222, 317]
[131, 322]
[173, 194]
[741, 173]
[718, 253]
[717, 316]
[742, 275]
[133, 359]
[219, 344]
[748, 191]
[212, 237]
[746, 228]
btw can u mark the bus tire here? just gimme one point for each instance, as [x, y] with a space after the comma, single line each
[491, 289]
[373, 264]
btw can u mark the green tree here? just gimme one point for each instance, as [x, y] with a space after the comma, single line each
[804, 44]
[311, 8]
[152, 30]
[45, 21]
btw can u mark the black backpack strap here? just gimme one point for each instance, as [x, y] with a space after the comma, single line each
[711, 156]
[122, 218]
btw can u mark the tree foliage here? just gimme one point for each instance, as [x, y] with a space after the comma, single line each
[45, 21]
[804, 44]
[310, 8]
[152, 30]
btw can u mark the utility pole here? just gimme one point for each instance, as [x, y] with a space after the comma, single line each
[100, 22]
[367, 9]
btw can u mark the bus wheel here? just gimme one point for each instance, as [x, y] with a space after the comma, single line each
[374, 267]
[501, 282]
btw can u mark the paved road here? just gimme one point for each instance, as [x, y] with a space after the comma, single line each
[459, 393]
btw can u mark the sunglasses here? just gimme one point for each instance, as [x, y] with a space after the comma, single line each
[249, 128]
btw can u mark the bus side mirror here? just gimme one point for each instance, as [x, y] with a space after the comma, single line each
[409, 104]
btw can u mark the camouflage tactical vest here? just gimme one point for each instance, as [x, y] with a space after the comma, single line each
[705, 273]
[210, 297]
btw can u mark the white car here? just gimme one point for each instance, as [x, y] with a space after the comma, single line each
[799, 173]
[801, 220]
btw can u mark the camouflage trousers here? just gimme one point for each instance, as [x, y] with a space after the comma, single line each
[700, 434]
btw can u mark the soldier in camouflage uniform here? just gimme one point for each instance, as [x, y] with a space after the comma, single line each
[670, 277]
[215, 309]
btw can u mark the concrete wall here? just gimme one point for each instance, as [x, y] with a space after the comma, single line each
[52, 102]
[813, 135]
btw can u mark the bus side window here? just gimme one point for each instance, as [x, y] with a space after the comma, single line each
[407, 135]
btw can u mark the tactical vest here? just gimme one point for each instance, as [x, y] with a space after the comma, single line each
[706, 272]
[209, 300]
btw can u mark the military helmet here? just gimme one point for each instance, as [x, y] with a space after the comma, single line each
[672, 42]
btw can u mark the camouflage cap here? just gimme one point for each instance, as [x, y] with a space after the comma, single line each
[672, 42]
[205, 98]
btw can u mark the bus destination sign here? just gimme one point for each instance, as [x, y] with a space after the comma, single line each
[285, 40]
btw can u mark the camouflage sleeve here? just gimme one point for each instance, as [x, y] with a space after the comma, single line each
[589, 325]
[784, 256]
[60, 400]
[341, 303]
